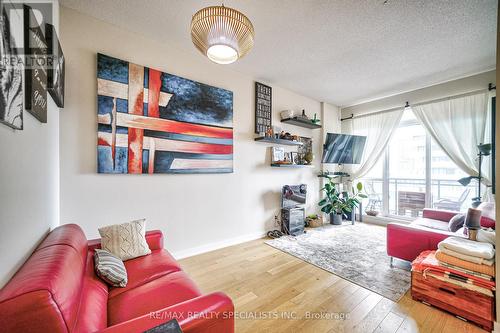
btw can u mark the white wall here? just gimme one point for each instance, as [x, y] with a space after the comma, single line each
[196, 212]
[29, 187]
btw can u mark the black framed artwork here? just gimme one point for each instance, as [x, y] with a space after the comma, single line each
[55, 66]
[263, 107]
[11, 78]
[35, 72]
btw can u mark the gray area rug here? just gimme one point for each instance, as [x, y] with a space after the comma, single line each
[354, 252]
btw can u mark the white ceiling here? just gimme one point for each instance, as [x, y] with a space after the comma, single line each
[342, 52]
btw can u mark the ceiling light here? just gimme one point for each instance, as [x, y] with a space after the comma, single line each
[222, 34]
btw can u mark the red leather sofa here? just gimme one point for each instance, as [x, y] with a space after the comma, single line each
[56, 290]
[407, 241]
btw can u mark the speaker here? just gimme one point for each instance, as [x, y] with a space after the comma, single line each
[293, 220]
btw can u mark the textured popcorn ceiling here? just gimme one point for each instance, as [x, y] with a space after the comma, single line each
[342, 52]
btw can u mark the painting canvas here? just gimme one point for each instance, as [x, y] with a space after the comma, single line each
[154, 122]
[35, 71]
[55, 66]
[11, 90]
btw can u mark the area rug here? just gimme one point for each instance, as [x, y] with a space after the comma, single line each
[354, 252]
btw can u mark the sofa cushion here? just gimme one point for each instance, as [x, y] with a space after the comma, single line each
[431, 223]
[144, 269]
[110, 268]
[126, 240]
[456, 222]
[162, 292]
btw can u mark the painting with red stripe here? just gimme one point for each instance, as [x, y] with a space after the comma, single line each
[154, 122]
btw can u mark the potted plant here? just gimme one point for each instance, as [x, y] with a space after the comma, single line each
[337, 204]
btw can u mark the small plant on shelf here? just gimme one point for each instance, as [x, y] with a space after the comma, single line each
[337, 204]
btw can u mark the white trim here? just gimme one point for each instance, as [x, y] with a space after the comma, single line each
[496, 327]
[216, 245]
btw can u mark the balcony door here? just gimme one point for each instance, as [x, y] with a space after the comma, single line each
[414, 174]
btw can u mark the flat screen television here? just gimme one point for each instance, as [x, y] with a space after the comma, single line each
[343, 148]
[293, 195]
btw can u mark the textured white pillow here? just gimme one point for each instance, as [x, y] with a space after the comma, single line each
[126, 241]
[487, 209]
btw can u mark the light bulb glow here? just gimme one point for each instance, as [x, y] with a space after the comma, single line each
[222, 54]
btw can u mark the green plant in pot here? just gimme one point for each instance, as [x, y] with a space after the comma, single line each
[337, 204]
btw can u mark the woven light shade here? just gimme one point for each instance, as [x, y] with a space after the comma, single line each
[222, 34]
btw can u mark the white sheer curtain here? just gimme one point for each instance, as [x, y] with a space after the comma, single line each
[378, 129]
[458, 125]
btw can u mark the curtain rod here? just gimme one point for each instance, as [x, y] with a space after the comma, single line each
[352, 116]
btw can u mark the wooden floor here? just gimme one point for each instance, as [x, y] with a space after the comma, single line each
[288, 295]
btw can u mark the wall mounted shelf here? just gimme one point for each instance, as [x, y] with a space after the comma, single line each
[278, 141]
[275, 165]
[301, 123]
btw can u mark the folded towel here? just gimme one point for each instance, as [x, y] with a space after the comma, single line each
[484, 269]
[468, 248]
[466, 257]
[486, 236]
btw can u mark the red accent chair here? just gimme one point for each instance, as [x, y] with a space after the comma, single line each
[56, 290]
[407, 241]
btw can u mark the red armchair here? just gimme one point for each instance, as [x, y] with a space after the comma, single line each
[56, 290]
[407, 241]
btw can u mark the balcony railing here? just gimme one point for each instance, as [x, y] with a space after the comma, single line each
[408, 197]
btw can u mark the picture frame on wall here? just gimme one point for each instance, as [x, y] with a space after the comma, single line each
[11, 78]
[35, 73]
[55, 66]
[263, 108]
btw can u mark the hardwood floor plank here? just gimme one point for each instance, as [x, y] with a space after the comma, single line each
[261, 279]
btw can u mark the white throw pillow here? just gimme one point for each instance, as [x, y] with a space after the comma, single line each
[126, 240]
[487, 209]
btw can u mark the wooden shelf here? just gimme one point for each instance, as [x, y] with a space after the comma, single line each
[274, 165]
[278, 141]
[301, 123]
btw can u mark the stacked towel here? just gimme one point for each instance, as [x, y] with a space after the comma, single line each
[468, 250]
[445, 259]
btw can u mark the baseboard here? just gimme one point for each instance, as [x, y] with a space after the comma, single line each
[496, 327]
[216, 245]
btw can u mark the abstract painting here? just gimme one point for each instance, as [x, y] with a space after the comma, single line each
[11, 89]
[55, 66]
[154, 122]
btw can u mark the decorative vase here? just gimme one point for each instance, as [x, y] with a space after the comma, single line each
[336, 219]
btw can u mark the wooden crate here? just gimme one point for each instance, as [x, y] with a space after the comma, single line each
[463, 303]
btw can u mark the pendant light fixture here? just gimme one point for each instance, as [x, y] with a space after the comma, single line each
[222, 34]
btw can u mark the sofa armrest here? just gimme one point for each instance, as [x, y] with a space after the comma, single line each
[407, 241]
[212, 313]
[154, 238]
[437, 214]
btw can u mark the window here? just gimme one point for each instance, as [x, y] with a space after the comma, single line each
[414, 173]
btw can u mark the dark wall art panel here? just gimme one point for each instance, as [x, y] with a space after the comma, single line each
[11, 89]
